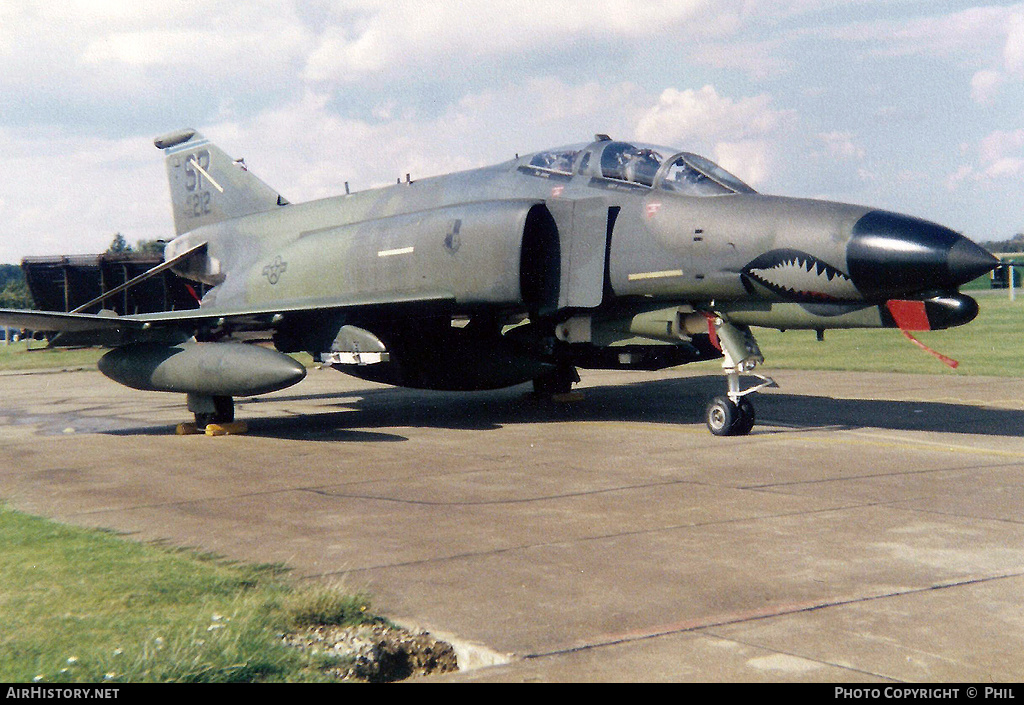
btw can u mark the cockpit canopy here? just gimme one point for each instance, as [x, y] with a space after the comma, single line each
[640, 165]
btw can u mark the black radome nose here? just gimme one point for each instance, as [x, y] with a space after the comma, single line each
[968, 261]
[892, 255]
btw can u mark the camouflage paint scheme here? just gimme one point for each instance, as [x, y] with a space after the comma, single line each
[608, 255]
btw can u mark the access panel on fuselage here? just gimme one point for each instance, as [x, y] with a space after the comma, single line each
[583, 237]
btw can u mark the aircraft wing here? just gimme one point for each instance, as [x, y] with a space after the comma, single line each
[71, 322]
[109, 330]
[78, 328]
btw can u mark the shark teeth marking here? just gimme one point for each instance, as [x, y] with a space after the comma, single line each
[800, 276]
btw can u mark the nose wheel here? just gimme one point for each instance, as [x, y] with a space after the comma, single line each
[726, 417]
[733, 413]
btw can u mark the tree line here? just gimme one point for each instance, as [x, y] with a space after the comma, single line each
[13, 289]
[1014, 244]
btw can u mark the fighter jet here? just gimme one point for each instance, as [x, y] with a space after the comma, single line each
[608, 255]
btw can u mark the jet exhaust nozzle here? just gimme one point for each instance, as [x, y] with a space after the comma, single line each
[892, 255]
[210, 369]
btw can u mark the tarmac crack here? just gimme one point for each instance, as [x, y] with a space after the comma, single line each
[321, 490]
[522, 500]
[805, 657]
[1004, 520]
[705, 626]
[586, 539]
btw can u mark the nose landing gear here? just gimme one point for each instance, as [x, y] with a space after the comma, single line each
[733, 414]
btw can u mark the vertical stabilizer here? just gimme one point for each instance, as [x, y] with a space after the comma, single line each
[208, 186]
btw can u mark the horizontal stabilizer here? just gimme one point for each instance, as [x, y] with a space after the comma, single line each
[142, 277]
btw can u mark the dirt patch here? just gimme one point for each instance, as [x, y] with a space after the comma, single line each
[376, 653]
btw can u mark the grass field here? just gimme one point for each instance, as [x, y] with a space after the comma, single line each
[34, 355]
[79, 605]
[992, 344]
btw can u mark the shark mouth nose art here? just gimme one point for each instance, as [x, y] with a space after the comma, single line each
[799, 276]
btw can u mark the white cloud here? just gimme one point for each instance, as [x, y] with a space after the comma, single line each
[1000, 149]
[1013, 51]
[307, 151]
[962, 173]
[1000, 158]
[751, 160]
[840, 145]
[972, 31]
[760, 60]
[68, 60]
[211, 49]
[736, 132]
[71, 194]
[682, 115]
[992, 36]
[988, 83]
[985, 86]
[312, 151]
[401, 34]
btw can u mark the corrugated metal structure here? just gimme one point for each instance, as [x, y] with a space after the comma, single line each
[63, 283]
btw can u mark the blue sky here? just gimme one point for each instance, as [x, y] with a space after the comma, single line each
[910, 105]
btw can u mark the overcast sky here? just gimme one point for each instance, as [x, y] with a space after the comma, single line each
[910, 105]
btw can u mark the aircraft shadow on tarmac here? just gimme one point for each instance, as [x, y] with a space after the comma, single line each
[358, 416]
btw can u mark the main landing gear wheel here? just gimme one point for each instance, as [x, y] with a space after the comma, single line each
[557, 382]
[725, 417]
[223, 413]
[215, 416]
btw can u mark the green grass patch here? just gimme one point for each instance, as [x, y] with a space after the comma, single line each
[982, 283]
[79, 605]
[992, 344]
[34, 355]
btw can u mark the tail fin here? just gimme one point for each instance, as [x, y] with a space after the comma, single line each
[208, 186]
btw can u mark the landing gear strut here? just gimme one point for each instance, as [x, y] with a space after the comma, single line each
[733, 414]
